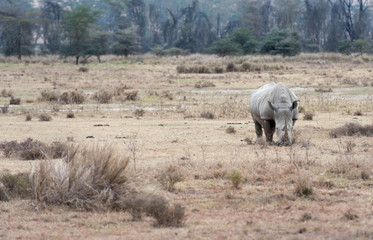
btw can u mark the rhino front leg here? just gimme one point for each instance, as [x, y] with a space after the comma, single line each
[258, 129]
[269, 129]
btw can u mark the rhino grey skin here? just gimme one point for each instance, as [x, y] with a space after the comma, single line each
[274, 107]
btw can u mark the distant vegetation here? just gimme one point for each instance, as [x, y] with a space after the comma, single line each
[87, 28]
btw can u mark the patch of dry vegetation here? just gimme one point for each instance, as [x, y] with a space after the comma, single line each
[352, 129]
[98, 178]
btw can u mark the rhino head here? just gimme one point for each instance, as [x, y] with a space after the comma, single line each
[283, 115]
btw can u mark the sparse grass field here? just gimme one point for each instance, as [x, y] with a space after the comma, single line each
[231, 186]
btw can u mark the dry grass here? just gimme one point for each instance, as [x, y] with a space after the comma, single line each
[103, 96]
[91, 178]
[14, 186]
[170, 176]
[207, 114]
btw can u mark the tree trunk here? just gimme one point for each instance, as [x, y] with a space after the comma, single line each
[77, 60]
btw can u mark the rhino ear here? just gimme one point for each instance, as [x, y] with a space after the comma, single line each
[295, 104]
[271, 105]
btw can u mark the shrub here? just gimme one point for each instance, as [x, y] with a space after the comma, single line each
[6, 93]
[49, 96]
[208, 115]
[169, 177]
[83, 69]
[352, 129]
[89, 178]
[103, 96]
[70, 115]
[303, 187]
[14, 101]
[73, 97]
[14, 186]
[231, 67]
[281, 42]
[166, 215]
[28, 117]
[225, 47]
[236, 179]
[205, 84]
[131, 96]
[308, 116]
[139, 112]
[5, 109]
[358, 113]
[45, 117]
[230, 130]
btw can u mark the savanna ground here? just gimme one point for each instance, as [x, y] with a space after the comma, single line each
[321, 187]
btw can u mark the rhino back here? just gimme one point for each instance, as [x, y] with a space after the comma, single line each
[259, 107]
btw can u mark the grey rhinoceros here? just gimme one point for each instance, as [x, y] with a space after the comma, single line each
[274, 107]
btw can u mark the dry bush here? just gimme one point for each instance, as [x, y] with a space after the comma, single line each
[349, 215]
[73, 97]
[119, 91]
[83, 69]
[70, 115]
[90, 178]
[14, 101]
[207, 114]
[6, 93]
[303, 187]
[193, 69]
[352, 129]
[5, 109]
[323, 90]
[165, 214]
[97, 178]
[103, 96]
[167, 94]
[170, 176]
[49, 96]
[14, 186]
[28, 117]
[231, 67]
[29, 149]
[308, 116]
[230, 130]
[131, 96]
[45, 117]
[204, 84]
[358, 113]
[139, 112]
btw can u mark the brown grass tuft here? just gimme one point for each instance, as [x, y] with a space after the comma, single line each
[308, 116]
[139, 112]
[83, 69]
[14, 186]
[70, 115]
[14, 101]
[170, 176]
[103, 96]
[230, 130]
[45, 117]
[207, 114]
[303, 187]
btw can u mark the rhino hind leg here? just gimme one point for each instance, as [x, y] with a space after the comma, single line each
[258, 129]
[269, 129]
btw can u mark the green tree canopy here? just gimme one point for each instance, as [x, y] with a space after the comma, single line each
[77, 24]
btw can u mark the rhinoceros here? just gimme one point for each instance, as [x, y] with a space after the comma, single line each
[274, 107]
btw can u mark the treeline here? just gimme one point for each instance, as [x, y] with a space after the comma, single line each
[88, 28]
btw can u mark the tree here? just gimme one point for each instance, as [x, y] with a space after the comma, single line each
[315, 25]
[127, 42]
[282, 42]
[361, 46]
[77, 25]
[51, 16]
[256, 16]
[286, 13]
[17, 21]
[225, 47]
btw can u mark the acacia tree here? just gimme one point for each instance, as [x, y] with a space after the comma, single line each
[77, 25]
